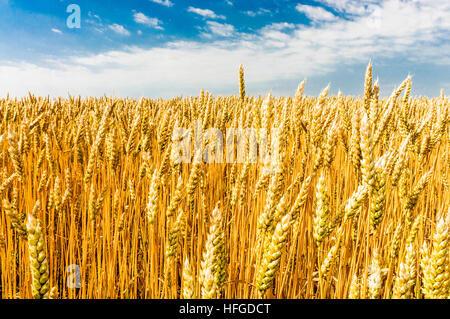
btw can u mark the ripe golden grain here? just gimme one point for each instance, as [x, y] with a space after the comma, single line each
[354, 205]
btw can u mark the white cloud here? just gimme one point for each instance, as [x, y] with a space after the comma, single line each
[230, 3]
[315, 13]
[206, 13]
[95, 17]
[220, 29]
[150, 22]
[278, 27]
[416, 31]
[166, 3]
[356, 7]
[56, 31]
[274, 35]
[259, 12]
[119, 29]
[95, 22]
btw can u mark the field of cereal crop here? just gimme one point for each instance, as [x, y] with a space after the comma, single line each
[226, 196]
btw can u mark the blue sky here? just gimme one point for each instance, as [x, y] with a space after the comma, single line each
[165, 48]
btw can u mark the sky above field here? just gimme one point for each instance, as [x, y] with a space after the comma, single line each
[167, 48]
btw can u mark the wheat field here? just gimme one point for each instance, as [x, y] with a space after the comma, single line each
[354, 204]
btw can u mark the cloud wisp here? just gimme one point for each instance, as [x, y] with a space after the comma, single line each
[315, 13]
[220, 29]
[119, 29]
[55, 30]
[206, 13]
[258, 12]
[141, 18]
[166, 3]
